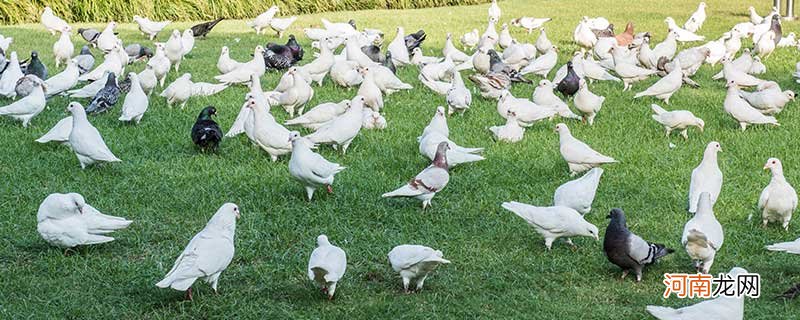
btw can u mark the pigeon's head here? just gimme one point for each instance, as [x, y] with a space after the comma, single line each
[275, 8]
[66, 29]
[492, 20]
[176, 33]
[440, 160]
[75, 203]
[561, 128]
[616, 215]
[112, 25]
[226, 216]
[504, 27]
[363, 71]
[34, 55]
[322, 240]
[251, 103]
[669, 21]
[590, 230]
[776, 18]
[732, 84]
[75, 108]
[700, 123]
[702, 5]
[136, 18]
[774, 164]
[294, 136]
[47, 10]
[713, 147]
[544, 83]
[207, 112]
[440, 111]
[789, 94]
[259, 50]
[188, 33]
[293, 70]
[357, 102]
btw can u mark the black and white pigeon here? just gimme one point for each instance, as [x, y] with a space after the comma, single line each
[202, 30]
[138, 52]
[26, 84]
[89, 34]
[35, 66]
[278, 57]
[571, 82]
[85, 60]
[496, 65]
[388, 63]
[124, 85]
[206, 134]
[106, 97]
[627, 250]
[414, 40]
[3, 61]
[373, 52]
[297, 50]
[792, 293]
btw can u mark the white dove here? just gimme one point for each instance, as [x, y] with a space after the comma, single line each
[526, 111]
[665, 87]
[666, 48]
[789, 40]
[160, 63]
[310, 168]
[5, 42]
[470, 39]
[439, 87]
[587, 102]
[63, 48]
[769, 98]
[398, 48]
[429, 142]
[51, 22]
[529, 23]
[262, 21]
[64, 80]
[426, 184]
[136, 102]
[450, 50]
[225, 64]
[543, 64]
[297, 96]
[788, 247]
[65, 220]
[9, 78]
[148, 80]
[553, 222]
[683, 34]
[742, 111]
[341, 131]
[754, 17]
[758, 66]
[85, 140]
[706, 177]
[386, 80]
[458, 98]
[543, 96]
[420, 59]
[630, 73]
[491, 34]
[174, 49]
[207, 255]
[583, 35]
[510, 132]
[327, 265]
[317, 69]
[696, 20]
[716, 50]
[280, 25]
[242, 73]
[59, 132]
[187, 41]
[578, 155]
[779, 199]
[676, 120]
[504, 40]
[111, 63]
[739, 76]
[743, 64]
[437, 124]
[107, 39]
[494, 11]
[150, 28]
[579, 194]
[320, 115]
[766, 44]
[733, 43]
[267, 134]
[179, 91]
[28, 107]
[720, 308]
[438, 71]
[369, 90]
[371, 119]
[415, 263]
[346, 74]
[543, 44]
[703, 235]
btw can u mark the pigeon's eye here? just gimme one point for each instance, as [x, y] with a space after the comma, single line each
[773, 162]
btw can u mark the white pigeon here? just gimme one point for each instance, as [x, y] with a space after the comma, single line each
[179, 91]
[58, 133]
[438, 71]
[543, 64]
[459, 97]
[583, 34]
[386, 80]
[553, 222]
[593, 70]
[758, 66]
[369, 90]
[579, 194]
[755, 18]
[85, 140]
[415, 263]
[743, 64]
[426, 184]
[769, 99]
[510, 132]
[187, 41]
[676, 120]
[470, 39]
[587, 102]
[65, 220]
[327, 265]
[297, 96]
[543, 44]
[148, 80]
[91, 89]
[683, 34]
[136, 102]
[280, 25]
[207, 255]
[63, 48]
[262, 21]
[242, 73]
[371, 119]
[742, 111]
[779, 199]
[490, 36]
[173, 48]
[225, 64]
[310, 168]
[346, 74]
[696, 20]
[419, 59]
[789, 40]
[716, 50]
[529, 23]
[341, 131]
[720, 308]
[320, 115]
[398, 49]
[665, 87]
[504, 40]
[706, 177]
[9, 77]
[317, 69]
[703, 235]
[451, 51]
[766, 44]
[438, 124]
[788, 247]
[494, 11]
[107, 39]
[266, 133]
[111, 63]
[733, 43]
[28, 107]
[338, 28]
[578, 155]
[666, 48]
[160, 64]
[527, 112]
[429, 143]
[544, 96]
[5, 42]
[630, 73]
[149, 27]
[738, 76]
[51, 22]
[64, 80]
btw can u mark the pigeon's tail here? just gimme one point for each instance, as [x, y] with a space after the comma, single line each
[659, 251]
[98, 223]
[641, 94]
[298, 121]
[468, 150]
[455, 158]
[663, 313]
[657, 110]
[404, 191]
[791, 247]
[517, 208]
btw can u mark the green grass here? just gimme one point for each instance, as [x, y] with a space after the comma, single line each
[500, 267]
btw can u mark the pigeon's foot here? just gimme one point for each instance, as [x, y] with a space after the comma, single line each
[189, 295]
[330, 189]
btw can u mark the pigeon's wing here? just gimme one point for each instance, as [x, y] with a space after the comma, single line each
[238, 125]
[323, 168]
[639, 249]
[98, 223]
[330, 258]
[762, 200]
[410, 255]
[205, 255]
[59, 132]
[204, 89]
[577, 151]
[544, 218]
[433, 178]
[20, 107]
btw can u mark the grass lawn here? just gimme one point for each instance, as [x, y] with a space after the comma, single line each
[500, 266]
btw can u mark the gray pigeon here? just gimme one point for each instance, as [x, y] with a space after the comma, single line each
[106, 97]
[85, 60]
[776, 28]
[35, 66]
[26, 84]
[138, 52]
[627, 250]
[90, 35]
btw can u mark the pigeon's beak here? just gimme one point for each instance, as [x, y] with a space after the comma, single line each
[80, 209]
[766, 168]
[597, 237]
[237, 214]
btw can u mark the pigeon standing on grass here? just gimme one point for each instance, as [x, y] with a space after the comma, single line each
[415, 263]
[206, 134]
[28, 107]
[309, 167]
[627, 250]
[207, 255]
[706, 177]
[703, 235]
[203, 29]
[676, 120]
[35, 66]
[327, 265]
[59, 132]
[779, 199]
[427, 183]
[136, 102]
[579, 194]
[85, 140]
[553, 222]
[720, 308]
[106, 97]
[578, 155]
[571, 82]
[67, 221]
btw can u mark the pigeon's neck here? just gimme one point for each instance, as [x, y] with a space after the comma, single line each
[777, 174]
[709, 158]
[617, 226]
[440, 160]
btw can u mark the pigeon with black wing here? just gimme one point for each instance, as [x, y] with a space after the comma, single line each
[206, 134]
[415, 40]
[202, 30]
[138, 52]
[388, 63]
[278, 56]
[496, 65]
[571, 82]
[90, 35]
[106, 97]
[297, 50]
[627, 250]
[373, 52]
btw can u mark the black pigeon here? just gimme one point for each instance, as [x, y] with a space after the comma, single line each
[106, 97]
[85, 60]
[604, 33]
[627, 250]
[571, 82]
[792, 293]
[206, 134]
[35, 66]
[373, 52]
[278, 57]
[297, 50]
[496, 65]
[89, 34]
[388, 63]
[125, 85]
[776, 28]
[414, 40]
[202, 30]
[138, 52]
